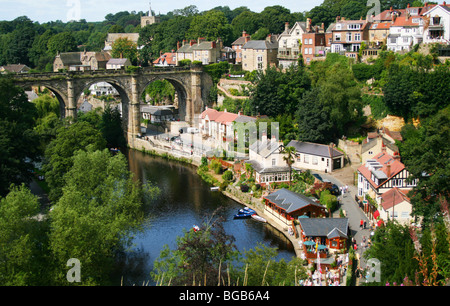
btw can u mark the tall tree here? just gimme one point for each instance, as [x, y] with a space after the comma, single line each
[22, 240]
[425, 153]
[18, 141]
[59, 153]
[92, 221]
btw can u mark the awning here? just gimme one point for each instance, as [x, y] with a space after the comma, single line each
[376, 214]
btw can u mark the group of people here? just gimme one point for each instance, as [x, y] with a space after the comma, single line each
[319, 279]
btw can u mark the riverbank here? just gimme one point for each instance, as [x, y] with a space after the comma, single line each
[231, 191]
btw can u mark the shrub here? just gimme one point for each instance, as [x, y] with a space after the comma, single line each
[227, 176]
[244, 188]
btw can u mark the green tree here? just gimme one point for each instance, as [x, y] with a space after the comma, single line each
[425, 153]
[18, 141]
[22, 239]
[62, 42]
[92, 221]
[201, 257]
[59, 153]
[111, 128]
[124, 48]
[258, 267]
[289, 158]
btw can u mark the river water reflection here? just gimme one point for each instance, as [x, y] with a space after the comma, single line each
[184, 201]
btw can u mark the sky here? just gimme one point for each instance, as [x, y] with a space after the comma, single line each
[96, 10]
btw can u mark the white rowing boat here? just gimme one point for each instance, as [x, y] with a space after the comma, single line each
[258, 218]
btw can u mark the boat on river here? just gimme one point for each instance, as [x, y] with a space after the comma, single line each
[244, 213]
[259, 218]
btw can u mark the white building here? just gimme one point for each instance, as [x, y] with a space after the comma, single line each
[405, 31]
[395, 205]
[266, 158]
[314, 156]
[438, 25]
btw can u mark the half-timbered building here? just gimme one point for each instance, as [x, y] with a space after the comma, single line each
[382, 173]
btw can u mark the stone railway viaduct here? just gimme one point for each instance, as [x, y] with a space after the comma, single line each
[192, 85]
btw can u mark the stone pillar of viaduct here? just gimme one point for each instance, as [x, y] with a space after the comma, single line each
[192, 85]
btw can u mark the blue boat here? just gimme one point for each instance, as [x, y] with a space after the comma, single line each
[244, 213]
[247, 210]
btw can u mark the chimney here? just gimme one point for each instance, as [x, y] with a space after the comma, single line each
[269, 38]
[178, 45]
[308, 24]
[286, 26]
[247, 37]
[200, 40]
[184, 42]
[213, 44]
[408, 5]
[323, 26]
[338, 18]
[264, 137]
[192, 42]
[388, 170]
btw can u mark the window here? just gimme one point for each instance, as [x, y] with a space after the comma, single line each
[354, 26]
[338, 27]
[405, 214]
[357, 36]
[349, 36]
[436, 20]
[274, 162]
[314, 160]
[306, 159]
[310, 51]
[337, 37]
[310, 41]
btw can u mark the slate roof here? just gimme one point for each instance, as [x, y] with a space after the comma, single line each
[290, 201]
[314, 149]
[265, 148]
[260, 45]
[324, 227]
[70, 58]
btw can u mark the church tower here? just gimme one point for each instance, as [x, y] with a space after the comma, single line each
[150, 19]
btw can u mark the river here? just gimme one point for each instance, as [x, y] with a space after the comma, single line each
[184, 200]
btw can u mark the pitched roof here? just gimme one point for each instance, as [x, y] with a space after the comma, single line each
[393, 197]
[226, 117]
[265, 148]
[70, 58]
[169, 57]
[16, 68]
[211, 113]
[117, 61]
[383, 166]
[314, 149]
[325, 227]
[260, 45]
[290, 201]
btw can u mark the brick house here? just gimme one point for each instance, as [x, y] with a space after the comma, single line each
[347, 36]
[238, 44]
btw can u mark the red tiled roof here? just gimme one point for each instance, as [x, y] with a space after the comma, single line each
[226, 117]
[393, 197]
[169, 57]
[390, 166]
[211, 113]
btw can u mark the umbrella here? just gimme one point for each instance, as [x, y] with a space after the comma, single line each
[309, 242]
[321, 247]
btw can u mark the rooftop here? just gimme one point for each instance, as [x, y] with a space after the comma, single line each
[314, 149]
[290, 201]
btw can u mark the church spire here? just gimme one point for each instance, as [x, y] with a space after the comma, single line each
[150, 13]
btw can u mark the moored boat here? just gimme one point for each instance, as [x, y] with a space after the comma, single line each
[259, 218]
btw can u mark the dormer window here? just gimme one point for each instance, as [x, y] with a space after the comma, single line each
[355, 26]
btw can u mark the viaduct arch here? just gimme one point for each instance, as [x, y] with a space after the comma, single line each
[192, 85]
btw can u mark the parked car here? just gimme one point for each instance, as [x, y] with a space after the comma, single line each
[193, 130]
